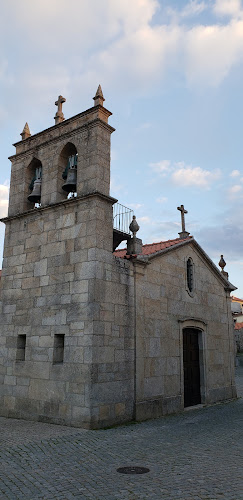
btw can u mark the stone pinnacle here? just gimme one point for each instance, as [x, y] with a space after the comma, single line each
[26, 132]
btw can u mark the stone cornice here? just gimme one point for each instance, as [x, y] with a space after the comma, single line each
[36, 211]
[56, 139]
[67, 122]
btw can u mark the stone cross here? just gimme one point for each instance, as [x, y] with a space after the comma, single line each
[59, 116]
[183, 233]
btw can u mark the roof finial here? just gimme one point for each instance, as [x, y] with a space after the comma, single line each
[134, 244]
[134, 227]
[183, 234]
[59, 116]
[99, 98]
[222, 264]
[26, 132]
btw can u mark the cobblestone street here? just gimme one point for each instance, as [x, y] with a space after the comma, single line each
[195, 455]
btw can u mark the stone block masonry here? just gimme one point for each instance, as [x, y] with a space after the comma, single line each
[91, 338]
[62, 291]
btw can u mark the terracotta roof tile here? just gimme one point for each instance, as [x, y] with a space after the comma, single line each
[151, 248]
[238, 326]
[236, 299]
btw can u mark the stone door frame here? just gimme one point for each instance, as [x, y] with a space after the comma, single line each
[201, 328]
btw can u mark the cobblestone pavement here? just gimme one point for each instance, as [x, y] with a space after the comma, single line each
[196, 455]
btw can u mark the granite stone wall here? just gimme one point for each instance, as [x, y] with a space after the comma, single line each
[164, 307]
[58, 280]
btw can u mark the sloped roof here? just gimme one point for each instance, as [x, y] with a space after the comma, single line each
[152, 248]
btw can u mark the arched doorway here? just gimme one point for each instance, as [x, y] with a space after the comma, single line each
[191, 365]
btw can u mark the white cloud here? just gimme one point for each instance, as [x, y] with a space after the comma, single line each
[227, 7]
[3, 199]
[161, 167]
[135, 206]
[195, 176]
[235, 173]
[235, 191]
[186, 175]
[128, 49]
[211, 51]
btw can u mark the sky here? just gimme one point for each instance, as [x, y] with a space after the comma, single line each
[171, 73]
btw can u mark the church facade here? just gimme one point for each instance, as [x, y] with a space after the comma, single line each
[90, 335]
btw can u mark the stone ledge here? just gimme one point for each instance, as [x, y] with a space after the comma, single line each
[35, 211]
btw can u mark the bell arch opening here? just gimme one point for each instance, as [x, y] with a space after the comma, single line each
[33, 182]
[67, 172]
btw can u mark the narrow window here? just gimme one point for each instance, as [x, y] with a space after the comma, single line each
[58, 352]
[21, 343]
[189, 268]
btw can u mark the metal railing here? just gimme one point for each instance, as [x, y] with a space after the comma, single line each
[122, 218]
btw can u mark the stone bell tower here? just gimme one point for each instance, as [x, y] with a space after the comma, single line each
[57, 329]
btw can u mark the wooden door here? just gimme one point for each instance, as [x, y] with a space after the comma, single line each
[192, 394]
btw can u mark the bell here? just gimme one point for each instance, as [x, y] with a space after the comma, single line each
[71, 182]
[35, 196]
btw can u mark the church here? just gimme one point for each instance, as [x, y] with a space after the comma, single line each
[93, 335]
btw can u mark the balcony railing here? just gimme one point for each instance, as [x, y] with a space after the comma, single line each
[122, 218]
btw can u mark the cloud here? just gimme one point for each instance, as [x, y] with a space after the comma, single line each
[210, 52]
[225, 236]
[195, 176]
[193, 8]
[235, 192]
[226, 240]
[161, 167]
[235, 173]
[4, 189]
[51, 48]
[135, 206]
[186, 175]
[144, 220]
[227, 8]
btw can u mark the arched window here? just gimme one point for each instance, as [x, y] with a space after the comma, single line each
[189, 274]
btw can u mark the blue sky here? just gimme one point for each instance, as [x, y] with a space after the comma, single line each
[171, 73]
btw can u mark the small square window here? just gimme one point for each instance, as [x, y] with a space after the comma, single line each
[21, 343]
[58, 352]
